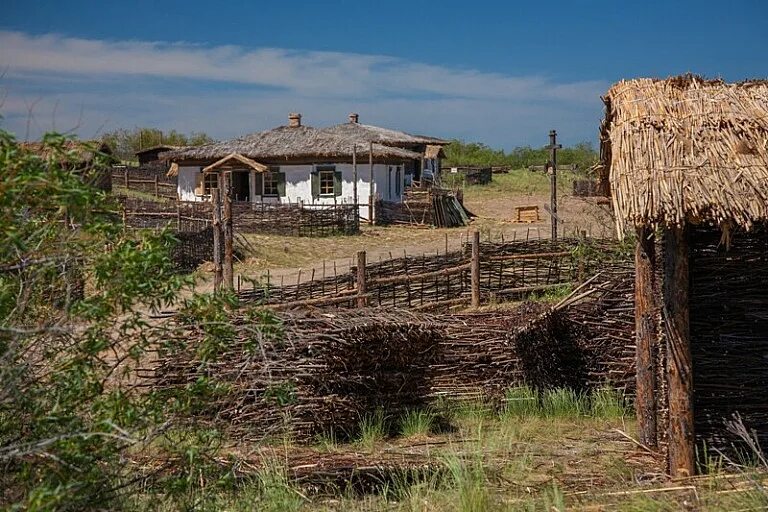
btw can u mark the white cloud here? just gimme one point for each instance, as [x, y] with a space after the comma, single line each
[253, 89]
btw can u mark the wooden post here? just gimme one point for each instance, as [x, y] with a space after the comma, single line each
[371, 216]
[354, 179]
[679, 361]
[228, 271]
[216, 207]
[178, 217]
[362, 300]
[126, 178]
[475, 269]
[157, 187]
[553, 147]
[645, 329]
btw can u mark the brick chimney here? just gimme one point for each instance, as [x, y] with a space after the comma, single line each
[354, 118]
[294, 120]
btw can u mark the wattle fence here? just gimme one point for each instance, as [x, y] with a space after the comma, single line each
[507, 271]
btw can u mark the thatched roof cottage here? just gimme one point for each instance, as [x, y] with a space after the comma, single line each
[296, 163]
[687, 159]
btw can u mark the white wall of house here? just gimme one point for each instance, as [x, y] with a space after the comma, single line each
[389, 183]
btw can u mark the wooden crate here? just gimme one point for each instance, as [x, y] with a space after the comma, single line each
[527, 214]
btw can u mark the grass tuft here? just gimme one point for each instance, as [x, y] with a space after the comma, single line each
[373, 429]
[608, 403]
[564, 402]
[521, 402]
[417, 423]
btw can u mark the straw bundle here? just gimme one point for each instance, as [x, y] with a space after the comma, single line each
[686, 150]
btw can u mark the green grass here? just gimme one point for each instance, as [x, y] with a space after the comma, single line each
[519, 182]
[373, 429]
[521, 402]
[525, 402]
[417, 422]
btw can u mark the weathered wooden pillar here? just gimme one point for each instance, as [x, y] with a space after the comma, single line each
[475, 266]
[216, 208]
[645, 335]
[228, 273]
[362, 299]
[679, 361]
[371, 182]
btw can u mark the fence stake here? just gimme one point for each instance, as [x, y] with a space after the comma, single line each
[216, 203]
[476, 269]
[362, 300]
[157, 187]
[228, 272]
[178, 217]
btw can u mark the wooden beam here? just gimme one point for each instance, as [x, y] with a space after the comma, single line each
[475, 276]
[679, 361]
[645, 335]
[362, 299]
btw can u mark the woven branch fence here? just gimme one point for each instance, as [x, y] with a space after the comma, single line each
[278, 219]
[316, 373]
[511, 270]
[149, 179]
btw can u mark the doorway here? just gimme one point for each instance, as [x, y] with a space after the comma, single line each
[241, 185]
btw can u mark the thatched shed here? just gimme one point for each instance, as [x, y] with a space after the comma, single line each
[90, 159]
[686, 161]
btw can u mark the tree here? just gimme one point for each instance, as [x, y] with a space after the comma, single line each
[125, 143]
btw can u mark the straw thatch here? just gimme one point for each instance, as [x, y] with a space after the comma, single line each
[686, 149]
[287, 143]
[434, 151]
[365, 133]
[78, 152]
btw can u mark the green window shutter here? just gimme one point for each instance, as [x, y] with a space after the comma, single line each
[315, 183]
[281, 184]
[337, 183]
[258, 183]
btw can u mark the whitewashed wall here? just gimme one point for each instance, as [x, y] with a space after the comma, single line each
[298, 185]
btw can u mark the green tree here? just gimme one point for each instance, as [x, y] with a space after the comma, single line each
[125, 143]
[75, 290]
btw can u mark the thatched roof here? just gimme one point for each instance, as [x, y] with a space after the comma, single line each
[79, 152]
[365, 133]
[434, 151]
[686, 149]
[287, 143]
[163, 147]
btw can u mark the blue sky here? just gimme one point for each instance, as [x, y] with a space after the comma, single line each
[502, 73]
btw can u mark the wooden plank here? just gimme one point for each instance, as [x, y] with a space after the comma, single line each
[679, 361]
[645, 329]
[217, 275]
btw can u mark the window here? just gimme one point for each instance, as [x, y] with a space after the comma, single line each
[326, 183]
[270, 184]
[210, 181]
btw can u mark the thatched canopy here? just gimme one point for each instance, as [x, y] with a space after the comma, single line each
[287, 143]
[235, 160]
[365, 133]
[686, 149]
[159, 148]
[434, 151]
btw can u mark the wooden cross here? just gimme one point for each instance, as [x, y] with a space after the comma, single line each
[553, 147]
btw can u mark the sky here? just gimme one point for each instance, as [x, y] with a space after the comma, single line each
[499, 72]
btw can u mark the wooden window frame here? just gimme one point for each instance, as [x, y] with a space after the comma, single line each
[210, 182]
[273, 177]
[325, 173]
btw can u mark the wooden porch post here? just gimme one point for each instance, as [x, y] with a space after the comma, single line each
[645, 329]
[679, 361]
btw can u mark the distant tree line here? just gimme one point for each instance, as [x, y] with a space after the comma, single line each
[126, 142]
[475, 153]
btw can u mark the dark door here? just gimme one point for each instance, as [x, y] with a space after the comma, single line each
[241, 186]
